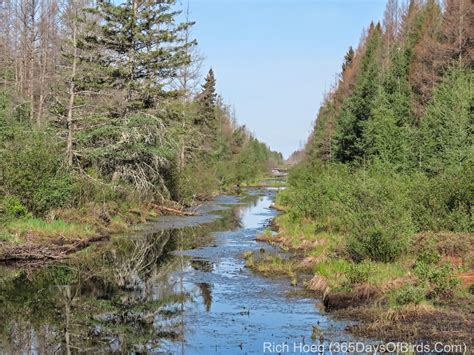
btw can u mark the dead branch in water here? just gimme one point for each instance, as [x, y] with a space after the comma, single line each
[51, 251]
[174, 211]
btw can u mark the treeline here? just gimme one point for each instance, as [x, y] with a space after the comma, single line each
[392, 149]
[102, 102]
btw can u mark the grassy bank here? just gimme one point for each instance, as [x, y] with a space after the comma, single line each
[393, 300]
[27, 238]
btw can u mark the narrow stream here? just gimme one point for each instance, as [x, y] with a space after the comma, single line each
[179, 290]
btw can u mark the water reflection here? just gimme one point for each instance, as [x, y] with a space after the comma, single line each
[206, 294]
[202, 265]
[182, 290]
[124, 295]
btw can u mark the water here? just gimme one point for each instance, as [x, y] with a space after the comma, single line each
[184, 290]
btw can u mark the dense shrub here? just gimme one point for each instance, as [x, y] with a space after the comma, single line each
[408, 294]
[381, 224]
[320, 193]
[32, 169]
[11, 207]
[444, 202]
[440, 279]
[359, 272]
[371, 206]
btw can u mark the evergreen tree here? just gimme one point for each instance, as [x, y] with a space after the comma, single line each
[446, 134]
[145, 48]
[385, 138]
[348, 59]
[357, 108]
[207, 101]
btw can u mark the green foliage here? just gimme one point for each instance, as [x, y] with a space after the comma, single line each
[207, 102]
[55, 228]
[396, 178]
[441, 279]
[371, 206]
[357, 108]
[385, 138]
[381, 219]
[428, 257]
[408, 294]
[444, 202]
[11, 207]
[146, 46]
[359, 272]
[446, 134]
[32, 170]
[330, 268]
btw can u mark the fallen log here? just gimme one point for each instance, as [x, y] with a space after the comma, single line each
[174, 211]
[52, 251]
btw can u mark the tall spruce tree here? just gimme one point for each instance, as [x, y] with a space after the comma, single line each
[207, 101]
[146, 47]
[357, 108]
[348, 59]
[446, 133]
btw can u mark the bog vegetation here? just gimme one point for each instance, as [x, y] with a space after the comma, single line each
[385, 187]
[103, 104]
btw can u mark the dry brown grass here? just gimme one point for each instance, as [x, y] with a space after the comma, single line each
[307, 263]
[397, 283]
[407, 312]
[411, 323]
[449, 244]
[318, 284]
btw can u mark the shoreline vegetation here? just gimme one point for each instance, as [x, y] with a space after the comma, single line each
[377, 218]
[390, 301]
[96, 136]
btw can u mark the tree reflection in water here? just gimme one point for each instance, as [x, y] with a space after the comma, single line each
[123, 295]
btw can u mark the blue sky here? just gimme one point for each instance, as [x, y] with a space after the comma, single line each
[274, 59]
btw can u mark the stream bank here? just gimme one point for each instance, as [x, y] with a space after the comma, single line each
[179, 285]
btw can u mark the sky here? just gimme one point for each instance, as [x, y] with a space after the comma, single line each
[275, 59]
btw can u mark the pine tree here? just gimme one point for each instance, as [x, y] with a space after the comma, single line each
[207, 101]
[357, 108]
[348, 59]
[385, 137]
[146, 47]
[446, 134]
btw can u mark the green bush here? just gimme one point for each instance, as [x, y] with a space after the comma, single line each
[32, 169]
[408, 294]
[321, 193]
[359, 272]
[444, 202]
[428, 257]
[441, 279]
[12, 207]
[372, 206]
[381, 217]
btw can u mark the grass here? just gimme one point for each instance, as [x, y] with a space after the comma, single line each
[6, 236]
[326, 255]
[49, 229]
[270, 264]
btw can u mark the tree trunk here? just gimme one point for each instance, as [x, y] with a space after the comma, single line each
[70, 124]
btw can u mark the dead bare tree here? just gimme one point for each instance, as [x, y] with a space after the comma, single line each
[189, 74]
